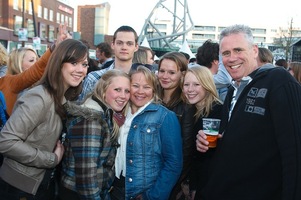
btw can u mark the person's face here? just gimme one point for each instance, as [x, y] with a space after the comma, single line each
[74, 73]
[28, 60]
[141, 91]
[150, 58]
[124, 46]
[168, 75]
[193, 90]
[98, 54]
[118, 93]
[238, 56]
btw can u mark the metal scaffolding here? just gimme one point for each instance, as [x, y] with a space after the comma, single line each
[181, 24]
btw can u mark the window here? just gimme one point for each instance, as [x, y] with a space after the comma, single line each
[17, 24]
[62, 18]
[29, 8]
[42, 31]
[45, 13]
[161, 26]
[205, 28]
[39, 11]
[259, 39]
[66, 19]
[58, 18]
[259, 31]
[203, 36]
[51, 35]
[30, 28]
[70, 22]
[16, 4]
[51, 15]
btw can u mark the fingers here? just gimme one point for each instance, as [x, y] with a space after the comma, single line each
[201, 142]
[63, 33]
[59, 150]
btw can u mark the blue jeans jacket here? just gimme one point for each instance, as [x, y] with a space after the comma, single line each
[153, 153]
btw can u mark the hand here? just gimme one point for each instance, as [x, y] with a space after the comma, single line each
[63, 34]
[201, 142]
[59, 150]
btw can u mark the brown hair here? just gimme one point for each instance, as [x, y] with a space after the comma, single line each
[296, 68]
[68, 51]
[181, 63]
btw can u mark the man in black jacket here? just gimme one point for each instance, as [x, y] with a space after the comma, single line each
[259, 153]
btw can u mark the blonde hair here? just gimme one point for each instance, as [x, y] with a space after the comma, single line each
[151, 79]
[296, 68]
[205, 78]
[3, 55]
[15, 60]
[100, 92]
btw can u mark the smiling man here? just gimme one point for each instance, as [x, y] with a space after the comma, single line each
[259, 154]
[124, 45]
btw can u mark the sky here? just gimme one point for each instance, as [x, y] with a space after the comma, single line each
[209, 12]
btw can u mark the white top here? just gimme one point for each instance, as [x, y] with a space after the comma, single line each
[120, 160]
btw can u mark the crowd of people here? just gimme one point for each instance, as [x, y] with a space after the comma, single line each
[128, 128]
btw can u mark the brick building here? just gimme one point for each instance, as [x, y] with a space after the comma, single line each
[93, 23]
[41, 19]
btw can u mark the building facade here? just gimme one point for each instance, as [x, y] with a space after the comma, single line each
[93, 23]
[39, 18]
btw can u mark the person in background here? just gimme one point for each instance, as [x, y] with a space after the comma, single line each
[187, 56]
[208, 56]
[264, 56]
[281, 63]
[259, 154]
[93, 64]
[144, 55]
[3, 60]
[12, 85]
[104, 55]
[91, 140]
[21, 59]
[295, 70]
[29, 141]
[192, 62]
[124, 45]
[171, 70]
[199, 89]
[149, 159]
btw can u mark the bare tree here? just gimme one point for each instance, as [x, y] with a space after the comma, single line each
[285, 39]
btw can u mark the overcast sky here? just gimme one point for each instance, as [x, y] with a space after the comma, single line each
[212, 12]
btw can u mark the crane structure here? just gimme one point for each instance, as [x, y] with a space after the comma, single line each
[178, 14]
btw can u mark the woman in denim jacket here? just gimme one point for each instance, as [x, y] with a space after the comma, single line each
[149, 159]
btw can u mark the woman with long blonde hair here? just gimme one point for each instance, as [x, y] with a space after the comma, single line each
[200, 90]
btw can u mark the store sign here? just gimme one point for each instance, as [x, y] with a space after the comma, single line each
[22, 34]
[66, 9]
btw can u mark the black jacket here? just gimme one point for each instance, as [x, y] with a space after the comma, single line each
[259, 155]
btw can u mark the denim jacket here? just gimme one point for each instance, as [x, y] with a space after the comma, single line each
[153, 153]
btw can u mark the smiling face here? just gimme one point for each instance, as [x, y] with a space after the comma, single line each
[169, 75]
[118, 93]
[141, 91]
[29, 59]
[74, 73]
[192, 89]
[239, 57]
